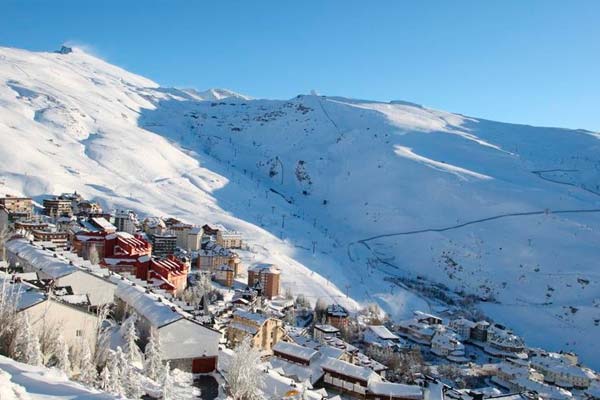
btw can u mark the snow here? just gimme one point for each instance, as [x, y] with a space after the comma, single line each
[388, 187]
[382, 332]
[294, 350]
[396, 389]
[350, 370]
[26, 382]
[159, 313]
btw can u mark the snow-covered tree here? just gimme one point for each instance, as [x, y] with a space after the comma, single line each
[87, 368]
[93, 255]
[105, 379]
[130, 338]
[153, 355]
[9, 299]
[133, 387]
[244, 377]
[63, 361]
[166, 382]
[27, 345]
[115, 362]
[103, 334]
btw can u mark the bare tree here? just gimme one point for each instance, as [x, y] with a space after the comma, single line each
[9, 300]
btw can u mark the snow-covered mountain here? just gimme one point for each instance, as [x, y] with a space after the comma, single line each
[346, 195]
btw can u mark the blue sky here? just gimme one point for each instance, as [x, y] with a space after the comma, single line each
[535, 62]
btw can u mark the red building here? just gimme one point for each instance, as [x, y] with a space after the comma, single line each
[168, 273]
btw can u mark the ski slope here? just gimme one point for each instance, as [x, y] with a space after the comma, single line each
[341, 193]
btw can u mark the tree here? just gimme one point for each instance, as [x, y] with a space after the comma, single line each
[115, 362]
[105, 379]
[93, 256]
[153, 356]
[167, 382]
[27, 345]
[103, 334]
[9, 299]
[244, 377]
[130, 337]
[5, 234]
[320, 310]
[133, 387]
[87, 369]
[63, 361]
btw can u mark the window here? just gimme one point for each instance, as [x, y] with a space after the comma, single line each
[78, 333]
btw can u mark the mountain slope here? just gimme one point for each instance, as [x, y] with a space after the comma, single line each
[375, 190]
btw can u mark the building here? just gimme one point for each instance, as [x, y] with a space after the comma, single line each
[267, 277]
[194, 239]
[181, 231]
[30, 226]
[86, 208]
[186, 344]
[224, 275]
[322, 332]
[58, 207]
[231, 239]
[223, 237]
[337, 316]
[382, 337]
[462, 327]
[264, 331]
[214, 255]
[17, 207]
[169, 274]
[125, 221]
[347, 377]
[502, 340]
[562, 370]
[163, 244]
[294, 353]
[60, 239]
[445, 343]
[44, 312]
[479, 332]
[63, 269]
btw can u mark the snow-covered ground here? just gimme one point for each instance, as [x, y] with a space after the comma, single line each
[20, 381]
[375, 189]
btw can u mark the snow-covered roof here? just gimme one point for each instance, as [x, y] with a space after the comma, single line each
[159, 313]
[294, 350]
[325, 328]
[347, 369]
[265, 268]
[45, 261]
[255, 317]
[382, 332]
[395, 390]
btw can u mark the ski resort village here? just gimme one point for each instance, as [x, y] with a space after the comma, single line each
[115, 304]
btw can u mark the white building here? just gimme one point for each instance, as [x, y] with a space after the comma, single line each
[187, 344]
[63, 269]
[380, 336]
[563, 371]
[445, 343]
[126, 221]
[75, 324]
[462, 327]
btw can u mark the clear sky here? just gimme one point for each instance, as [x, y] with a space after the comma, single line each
[535, 62]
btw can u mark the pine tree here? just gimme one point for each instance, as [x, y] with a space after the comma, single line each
[63, 361]
[105, 379]
[27, 345]
[117, 366]
[133, 388]
[87, 369]
[153, 353]
[167, 382]
[130, 336]
[114, 373]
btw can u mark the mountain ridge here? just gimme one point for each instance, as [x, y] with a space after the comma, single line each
[326, 173]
